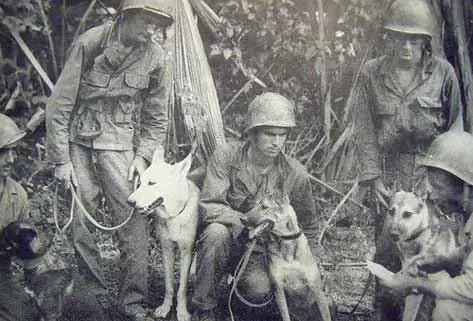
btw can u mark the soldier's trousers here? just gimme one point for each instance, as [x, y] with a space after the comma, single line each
[106, 171]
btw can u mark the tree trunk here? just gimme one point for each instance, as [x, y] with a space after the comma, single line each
[453, 12]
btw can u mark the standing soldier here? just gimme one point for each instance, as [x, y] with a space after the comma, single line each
[112, 92]
[403, 101]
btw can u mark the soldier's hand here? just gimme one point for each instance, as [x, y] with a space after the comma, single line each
[382, 193]
[65, 174]
[138, 166]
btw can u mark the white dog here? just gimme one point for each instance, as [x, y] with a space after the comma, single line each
[165, 190]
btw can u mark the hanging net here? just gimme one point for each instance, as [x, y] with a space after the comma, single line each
[194, 108]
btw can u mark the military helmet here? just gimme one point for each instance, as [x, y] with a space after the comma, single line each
[9, 131]
[410, 16]
[162, 8]
[452, 152]
[270, 109]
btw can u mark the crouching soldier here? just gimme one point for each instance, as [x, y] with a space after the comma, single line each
[15, 304]
[449, 168]
[238, 175]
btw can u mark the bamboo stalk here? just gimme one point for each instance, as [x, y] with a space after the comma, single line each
[63, 32]
[242, 89]
[335, 211]
[84, 18]
[50, 39]
[16, 35]
[13, 97]
[333, 151]
[334, 190]
[343, 264]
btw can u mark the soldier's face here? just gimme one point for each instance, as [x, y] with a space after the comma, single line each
[7, 158]
[141, 25]
[407, 48]
[269, 140]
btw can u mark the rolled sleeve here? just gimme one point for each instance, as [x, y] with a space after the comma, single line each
[366, 142]
[302, 200]
[154, 115]
[452, 99]
[214, 206]
[60, 106]
[459, 288]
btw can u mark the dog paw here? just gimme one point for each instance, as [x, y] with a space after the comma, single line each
[183, 316]
[162, 311]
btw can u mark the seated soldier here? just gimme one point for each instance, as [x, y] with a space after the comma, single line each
[238, 175]
[449, 161]
[15, 304]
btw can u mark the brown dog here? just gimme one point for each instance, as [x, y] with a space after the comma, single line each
[291, 266]
[426, 244]
[424, 241]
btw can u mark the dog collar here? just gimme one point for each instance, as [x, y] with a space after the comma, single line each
[293, 236]
[419, 232]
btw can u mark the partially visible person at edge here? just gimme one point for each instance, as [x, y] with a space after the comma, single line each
[403, 101]
[113, 89]
[238, 176]
[15, 303]
[449, 167]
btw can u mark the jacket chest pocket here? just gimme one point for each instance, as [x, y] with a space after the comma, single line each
[428, 117]
[134, 82]
[387, 124]
[96, 78]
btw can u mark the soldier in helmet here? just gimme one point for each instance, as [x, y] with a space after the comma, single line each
[105, 117]
[449, 167]
[238, 174]
[15, 304]
[403, 101]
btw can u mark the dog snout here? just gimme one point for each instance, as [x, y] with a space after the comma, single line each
[394, 235]
[131, 202]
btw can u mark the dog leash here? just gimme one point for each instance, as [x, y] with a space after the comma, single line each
[241, 266]
[75, 199]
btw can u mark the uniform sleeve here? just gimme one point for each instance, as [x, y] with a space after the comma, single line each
[60, 106]
[23, 204]
[452, 99]
[302, 200]
[366, 142]
[459, 288]
[214, 206]
[154, 114]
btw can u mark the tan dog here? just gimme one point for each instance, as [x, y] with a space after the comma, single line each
[165, 190]
[292, 268]
[424, 241]
[425, 244]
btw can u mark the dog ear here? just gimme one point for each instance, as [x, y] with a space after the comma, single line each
[185, 165]
[158, 156]
[422, 189]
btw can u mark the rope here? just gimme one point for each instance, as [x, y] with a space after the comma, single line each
[75, 199]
